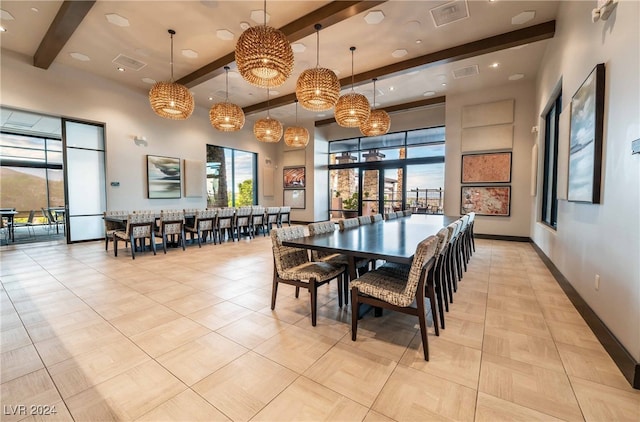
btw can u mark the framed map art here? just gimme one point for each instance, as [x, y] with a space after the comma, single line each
[486, 168]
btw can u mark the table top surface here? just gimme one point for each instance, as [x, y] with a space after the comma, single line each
[393, 240]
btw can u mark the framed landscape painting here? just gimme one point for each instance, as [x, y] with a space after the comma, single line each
[585, 139]
[163, 177]
[486, 200]
[486, 168]
[294, 178]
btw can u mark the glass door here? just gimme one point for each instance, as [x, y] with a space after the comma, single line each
[393, 190]
[370, 192]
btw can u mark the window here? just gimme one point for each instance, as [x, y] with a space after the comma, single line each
[231, 177]
[550, 177]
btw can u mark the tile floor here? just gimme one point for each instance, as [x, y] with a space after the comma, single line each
[190, 336]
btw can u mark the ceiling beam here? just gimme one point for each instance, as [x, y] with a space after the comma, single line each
[515, 38]
[327, 15]
[396, 108]
[68, 18]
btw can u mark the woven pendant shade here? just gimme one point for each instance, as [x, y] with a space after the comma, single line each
[296, 137]
[264, 56]
[318, 89]
[268, 130]
[226, 117]
[378, 122]
[352, 110]
[169, 99]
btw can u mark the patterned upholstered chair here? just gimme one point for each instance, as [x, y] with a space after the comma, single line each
[171, 224]
[273, 215]
[376, 217]
[348, 223]
[390, 216]
[335, 258]
[285, 216]
[292, 266]
[452, 261]
[365, 219]
[111, 226]
[202, 225]
[407, 213]
[139, 227]
[224, 223]
[258, 220]
[386, 290]
[242, 222]
[472, 241]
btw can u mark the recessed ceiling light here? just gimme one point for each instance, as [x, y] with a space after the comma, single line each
[399, 53]
[516, 76]
[444, 84]
[321, 115]
[80, 56]
[523, 17]
[258, 16]
[418, 41]
[35, 9]
[244, 26]
[429, 93]
[374, 17]
[6, 16]
[115, 19]
[210, 98]
[391, 88]
[3, 29]
[494, 65]
[298, 47]
[413, 72]
[224, 34]
[274, 92]
[120, 69]
[149, 81]
[190, 53]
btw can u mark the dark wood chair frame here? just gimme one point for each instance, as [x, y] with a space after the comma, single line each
[132, 240]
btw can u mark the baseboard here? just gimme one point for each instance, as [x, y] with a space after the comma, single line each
[501, 237]
[622, 358]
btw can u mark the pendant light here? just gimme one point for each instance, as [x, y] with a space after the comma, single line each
[318, 89]
[268, 129]
[352, 109]
[264, 55]
[296, 136]
[226, 117]
[378, 122]
[169, 99]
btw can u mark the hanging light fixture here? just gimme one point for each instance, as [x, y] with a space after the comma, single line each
[268, 129]
[318, 89]
[226, 116]
[378, 122]
[352, 109]
[264, 55]
[296, 136]
[169, 99]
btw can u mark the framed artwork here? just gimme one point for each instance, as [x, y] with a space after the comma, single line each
[486, 168]
[163, 177]
[294, 178]
[585, 139]
[294, 198]
[486, 200]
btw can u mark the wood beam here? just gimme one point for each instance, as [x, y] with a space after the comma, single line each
[396, 108]
[515, 38]
[67, 20]
[327, 15]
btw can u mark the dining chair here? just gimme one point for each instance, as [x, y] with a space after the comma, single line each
[110, 227]
[171, 224]
[376, 217]
[390, 216]
[285, 216]
[258, 220]
[242, 222]
[472, 217]
[140, 226]
[348, 223]
[407, 212]
[273, 214]
[365, 219]
[224, 223]
[385, 290]
[202, 226]
[292, 266]
[28, 223]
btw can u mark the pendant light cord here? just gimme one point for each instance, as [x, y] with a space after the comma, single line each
[374, 93]
[318, 27]
[226, 98]
[264, 11]
[172, 32]
[352, 50]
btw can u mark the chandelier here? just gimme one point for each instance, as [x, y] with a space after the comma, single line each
[226, 117]
[296, 136]
[264, 55]
[378, 122]
[352, 109]
[268, 129]
[318, 89]
[169, 99]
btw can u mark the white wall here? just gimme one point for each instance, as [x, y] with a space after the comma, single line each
[600, 239]
[518, 223]
[63, 91]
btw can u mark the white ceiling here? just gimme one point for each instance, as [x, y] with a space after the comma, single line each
[197, 22]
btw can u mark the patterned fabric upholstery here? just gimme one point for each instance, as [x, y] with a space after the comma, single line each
[348, 223]
[243, 216]
[273, 213]
[407, 213]
[394, 290]
[225, 217]
[322, 228]
[390, 216]
[172, 215]
[285, 213]
[204, 220]
[139, 232]
[376, 218]
[257, 219]
[111, 226]
[365, 219]
[402, 270]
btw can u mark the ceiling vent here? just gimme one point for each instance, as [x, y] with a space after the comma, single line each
[450, 12]
[128, 62]
[464, 72]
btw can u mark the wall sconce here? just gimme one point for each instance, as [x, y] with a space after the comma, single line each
[140, 140]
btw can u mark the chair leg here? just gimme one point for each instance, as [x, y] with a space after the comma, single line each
[340, 281]
[153, 243]
[164, 243]
[313, 296]
[297, 291]
[115, 245]
[423, 328]
[274, 289]
[432, 301]
[182, 239]
[354, 313]
[133, 247]
[106, 242]
[345, 286]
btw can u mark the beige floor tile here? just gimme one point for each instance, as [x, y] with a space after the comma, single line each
[199, 358]
[577, 335]
[566, 315]
[173, 292]
[385, 336]
[62, 325]
[255, 300]
[295, 348]
[33, 389]
[52, 309]
[95, 366]
[113, 307]
[447, 360]
[603, 403]
[307, 400]
[473, 312]
[531, 325]
[219, 315]
[525, 292]
[18, 362]
[14, 338]
[55, 412]
[168, 336]
[352, 372]
[509, 304]
[252, 329]
[186, 406]
[466, 333]
[127, 396]
[245, 386]
[492, 409]
[412, 395]
[194, 302]
[145, 319]
[9, 319]
[373, 416]
[290, 310]
[528, 385]
[592, 365]
[540, 351]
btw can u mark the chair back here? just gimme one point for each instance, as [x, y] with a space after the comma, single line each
[286, 257]
[272, 215]
[364, 219]
[424, 252]
[452, 228]
[443, 237]
[390, 215]
[407, 213]
[114, 225]
[285, 215]
[204, 219]
[243, 216]
[172, 221]
[140, 225]
[321, 228]
[377, 217]
[348, 223]
[225, 216]
[257, 215]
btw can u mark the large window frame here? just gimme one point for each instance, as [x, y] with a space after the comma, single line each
[549, 206]
[231, 160]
